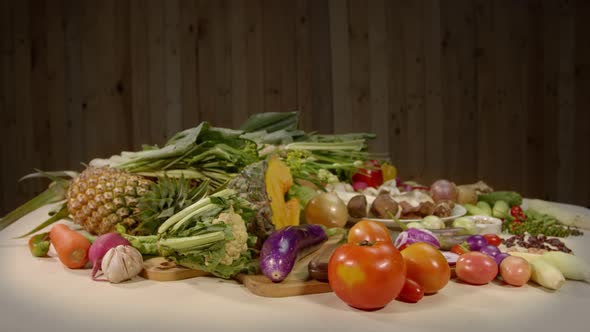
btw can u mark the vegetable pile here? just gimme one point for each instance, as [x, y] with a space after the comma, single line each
[265, 199]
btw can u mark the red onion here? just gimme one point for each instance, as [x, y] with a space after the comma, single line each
[413, 235]
[100, 246]
[443, 190]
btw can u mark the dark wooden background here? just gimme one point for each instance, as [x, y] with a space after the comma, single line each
[465, 90]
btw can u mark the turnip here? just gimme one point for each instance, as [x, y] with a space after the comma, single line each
[99, 248]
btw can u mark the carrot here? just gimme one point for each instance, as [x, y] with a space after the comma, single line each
[71, 246]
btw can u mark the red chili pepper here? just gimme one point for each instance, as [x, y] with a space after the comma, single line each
[460, 249]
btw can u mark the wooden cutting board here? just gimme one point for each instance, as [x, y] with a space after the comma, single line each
[160, 269]
[262, 286]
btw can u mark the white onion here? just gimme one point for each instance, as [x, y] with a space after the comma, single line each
[442, 190]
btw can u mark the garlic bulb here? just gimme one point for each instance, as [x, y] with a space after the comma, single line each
[121, 263]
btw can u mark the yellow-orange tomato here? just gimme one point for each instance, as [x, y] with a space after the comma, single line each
[389, 172]
[368, 230]
[427, 266]
[367, 276]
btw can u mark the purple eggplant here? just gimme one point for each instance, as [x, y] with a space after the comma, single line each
[281, 249]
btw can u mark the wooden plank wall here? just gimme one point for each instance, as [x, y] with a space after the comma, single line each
[465, 90]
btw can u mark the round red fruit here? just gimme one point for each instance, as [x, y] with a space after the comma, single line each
[367, 275]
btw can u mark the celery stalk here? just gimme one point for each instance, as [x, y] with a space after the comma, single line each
[190, 209]
[192, 242]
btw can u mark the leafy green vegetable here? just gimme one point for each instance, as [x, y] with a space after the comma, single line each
[201, 153]
[271, 121]
[210, 235]
[307, 154]
[165, 198]
[303, 193]
[272, 128]
[510, 197]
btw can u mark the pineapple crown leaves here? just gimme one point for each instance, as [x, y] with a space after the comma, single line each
[54, 193]
[54, 176]
[166, 197]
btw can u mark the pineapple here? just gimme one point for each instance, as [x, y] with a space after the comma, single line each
[102, 197]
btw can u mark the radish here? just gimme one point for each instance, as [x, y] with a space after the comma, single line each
[99, 248]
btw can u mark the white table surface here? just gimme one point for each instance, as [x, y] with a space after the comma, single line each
[39, 294]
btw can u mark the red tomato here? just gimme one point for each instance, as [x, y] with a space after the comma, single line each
[368, 230]
[476, 268]
[372, 175]
[493, 239]
[516, 212]
[515, 271]
[412, 292]
[367, 276]
[427, 266]
[459, 249]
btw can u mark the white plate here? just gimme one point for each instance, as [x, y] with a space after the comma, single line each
[458, 211]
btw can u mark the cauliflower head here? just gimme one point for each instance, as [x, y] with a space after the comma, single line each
[236, 247]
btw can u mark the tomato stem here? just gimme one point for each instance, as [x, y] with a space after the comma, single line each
[365, 243]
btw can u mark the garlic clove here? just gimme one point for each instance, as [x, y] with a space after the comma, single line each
[133, 261]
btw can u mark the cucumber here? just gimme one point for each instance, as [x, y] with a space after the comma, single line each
[501, 209]
[510, 197]
[484, 206]
[475, 210]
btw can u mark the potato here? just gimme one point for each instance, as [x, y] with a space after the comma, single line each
[357, 206]
[383, 205]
